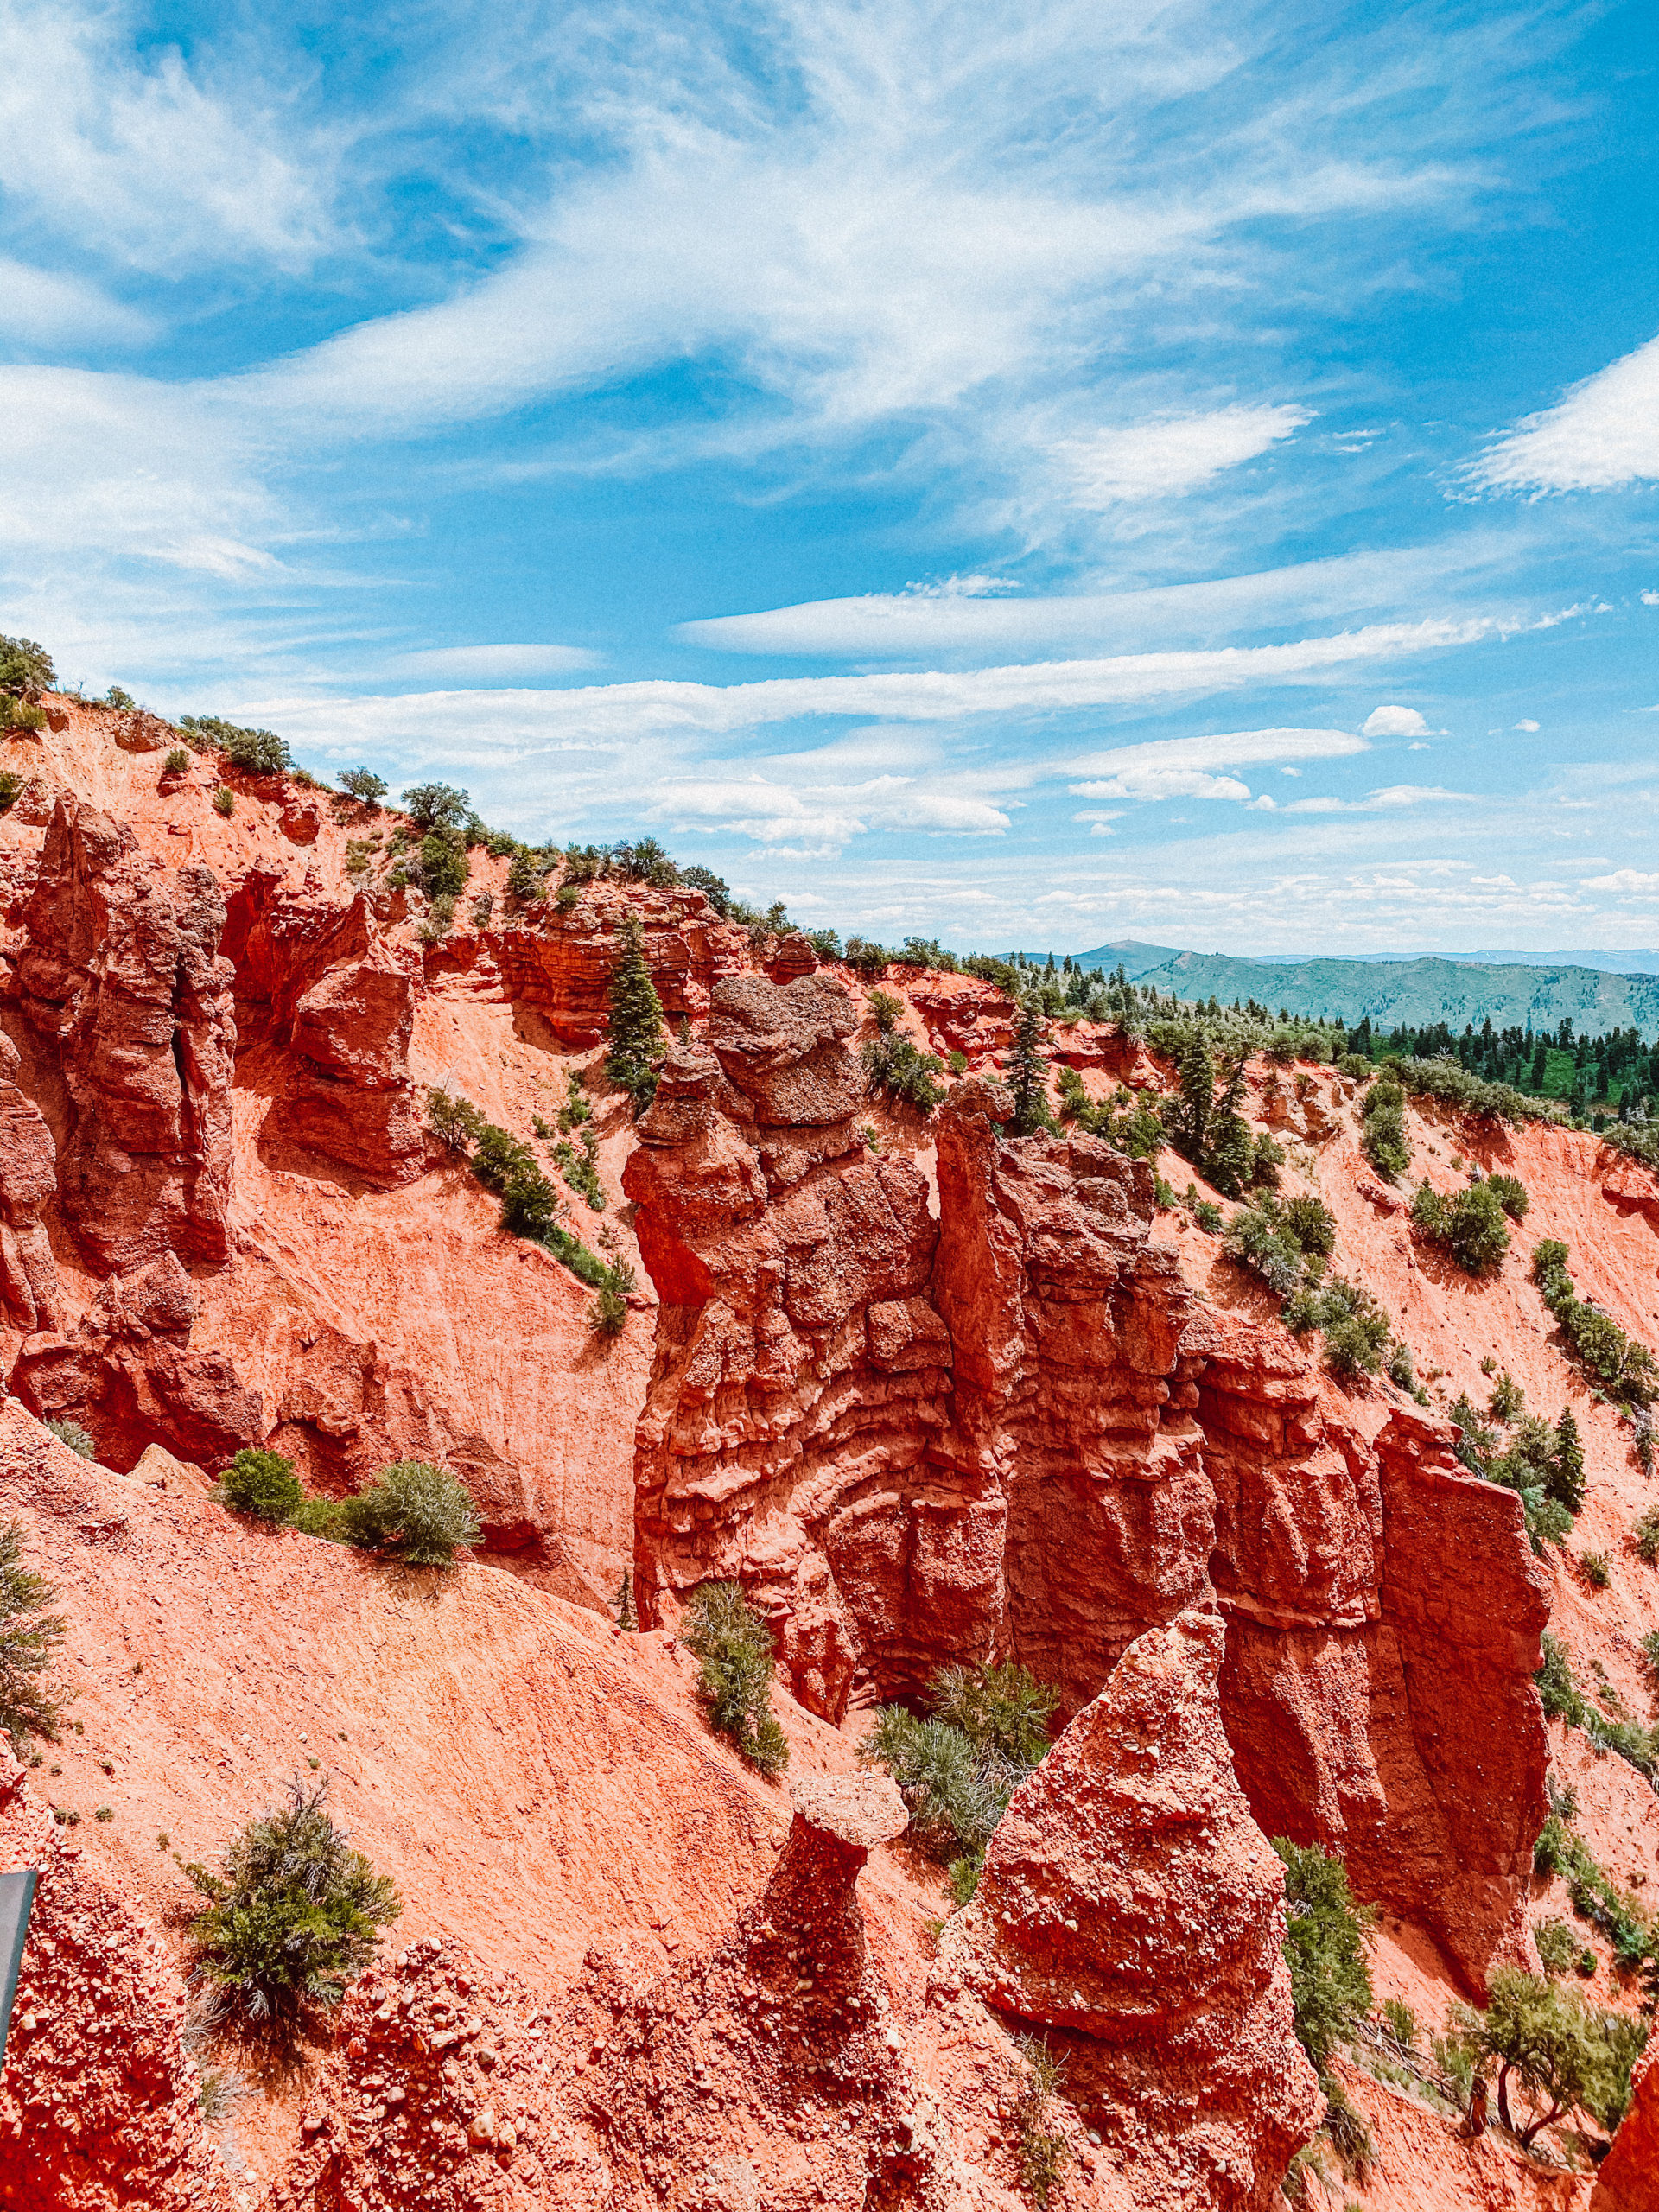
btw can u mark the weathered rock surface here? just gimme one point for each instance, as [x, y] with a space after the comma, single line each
[120, 971]
[1628, 2177]
[98, 2100]
[771, 1234]
[564, 968]
[1036, 1439]
[127, 1376]
[29, 1178]
[1129, 1899]
[315, 979]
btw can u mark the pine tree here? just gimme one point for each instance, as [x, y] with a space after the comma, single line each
[1028, 1071]
[626, 1616]
[1566, 1463]
[1190, 1119]
[638, 1039]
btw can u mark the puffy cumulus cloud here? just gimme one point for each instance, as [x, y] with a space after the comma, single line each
[1630, 882]
[1604, 434]
[1528, 726]
[1395, 722]
[1170, 455]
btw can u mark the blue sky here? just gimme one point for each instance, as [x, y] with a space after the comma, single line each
[1026, 474]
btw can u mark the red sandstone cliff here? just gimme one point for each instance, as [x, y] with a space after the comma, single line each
[933, 1396]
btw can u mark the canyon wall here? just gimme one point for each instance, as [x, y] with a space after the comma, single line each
[1018, 1430]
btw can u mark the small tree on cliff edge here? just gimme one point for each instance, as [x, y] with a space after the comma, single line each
[1028, 1071]
[638, 1039]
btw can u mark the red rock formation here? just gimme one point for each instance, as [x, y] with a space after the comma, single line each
[773, 1413]
[98, 2100]
[316, 980]
[120, 972]
[1129, 1900]
[127, 1376]
[562, 967]
[1055, 1445]
[1628, 2178]
[29, 1178]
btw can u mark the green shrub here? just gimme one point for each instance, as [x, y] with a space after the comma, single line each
[1558, 1851]
[1645, 1535]
[608, 1314]
[25, 668]
[1470, 1225]
[1511, 1195]
[1398, 1367]
[1325, 1948]
[1561, 1697]
[732, 1642]
[262, 1483]
[955, 1796]
[176, 761]
[716, 891]
[1545, 2040]
[895, 1068]
[31, 1637]
[365, 787]
[1384, 1127]
[456, 1122]
[567, 896]
[317, 1516]
[1042, 2149]
[1313, 1225]
[1625, 1369]
[1561, 1951]
[580, 1167]
[1261, 1242]
[885, 1011]
[1594, 1568]
[1508, 1398]
[21, 714]
[413, 1510]
[72, 1433]
[1356, 1331]
[293, 1916]
[1401, 2021]
[257, 751]
[1208, 1216]
[443, 864]
[224, 801]
[999, 1708]
[436, 806]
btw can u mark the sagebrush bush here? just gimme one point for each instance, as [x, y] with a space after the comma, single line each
[224, 800]
[293, 1916]
[1624, 1367]
[31, 1638]
[733, 1644]
[262, 1483]
[412, 1511]
[176, 762]
[72, 1433]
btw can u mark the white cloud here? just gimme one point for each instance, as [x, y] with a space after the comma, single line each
[1526, 725]
[1628, 880]
[1170, 456]
[1395, 722]
[1389, 797]
[1650, 599]
[1163, 783]
[1237, 748]
[144, 159]
[579, 713]
[935, 622]
[39, 307]
[1604, 434]
[493, 660]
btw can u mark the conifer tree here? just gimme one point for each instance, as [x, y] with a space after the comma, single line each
[1190, 1119]
[638, 1039]
[1566, 1463]
[626, 1616]
[1028, 1071]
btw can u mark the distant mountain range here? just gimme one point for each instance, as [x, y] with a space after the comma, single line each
[1531, 991]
